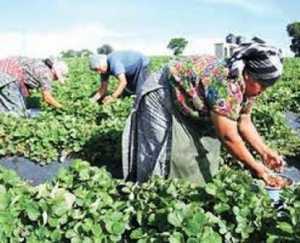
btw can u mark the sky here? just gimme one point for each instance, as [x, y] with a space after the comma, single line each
[41, 28]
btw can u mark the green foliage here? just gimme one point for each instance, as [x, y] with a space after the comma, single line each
[234, 198]
[286, 226]
[94, 132]
[177, 45]
[68, 53]
[270, 108]
[294, 29]
[71, 129]
[72, 53]
[80, 206]
[85, 204]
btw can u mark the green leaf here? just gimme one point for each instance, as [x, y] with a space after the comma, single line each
[176, 237]
[175, 219]
[211, 189]
[137, 234]
[286, 227]
[195, 224]
[118, 228]
[209, 236]
[193, 240]
[70, 234]
[32, 211]
[221, 208]
[4, 199]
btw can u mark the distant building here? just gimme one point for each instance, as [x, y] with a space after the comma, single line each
[224, 50]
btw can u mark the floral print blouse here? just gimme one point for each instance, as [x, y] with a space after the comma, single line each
[31, 73]
[200, 84]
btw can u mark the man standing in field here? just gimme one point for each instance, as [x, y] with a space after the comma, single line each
[129, 67]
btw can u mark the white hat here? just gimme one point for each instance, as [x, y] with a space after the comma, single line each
[96, 61]
[61, 70]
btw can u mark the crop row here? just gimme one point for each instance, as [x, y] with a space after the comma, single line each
[94, 131]
[85, 204]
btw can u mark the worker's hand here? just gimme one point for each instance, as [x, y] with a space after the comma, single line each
[95, 98]
[108, 100]
[273, 160]
[275, 181]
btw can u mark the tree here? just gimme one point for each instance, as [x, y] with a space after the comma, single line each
[293, 30]
[177, 45]
[73, 53]
[105, 49]
[69, 53]
[84, 53]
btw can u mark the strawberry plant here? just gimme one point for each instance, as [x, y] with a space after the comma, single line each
[95, 131]
[286, 226]
[85, 204]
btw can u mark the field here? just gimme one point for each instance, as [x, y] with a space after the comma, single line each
[86, 204]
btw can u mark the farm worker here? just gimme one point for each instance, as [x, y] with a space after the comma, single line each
[19, 75]
[129, 67]
[182, 110]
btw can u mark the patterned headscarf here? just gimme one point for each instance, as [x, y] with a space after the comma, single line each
[263, 62]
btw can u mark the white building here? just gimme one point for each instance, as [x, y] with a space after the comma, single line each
[224, 50]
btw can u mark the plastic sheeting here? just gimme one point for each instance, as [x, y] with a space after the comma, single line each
[32, 172]
[33, 112]
[290, 172]
[293, 121]
[293, 173]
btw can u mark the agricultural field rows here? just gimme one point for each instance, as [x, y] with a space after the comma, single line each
[81, 124]
[86, 204]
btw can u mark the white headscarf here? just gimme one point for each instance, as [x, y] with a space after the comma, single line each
[96, 61]
[61, 70]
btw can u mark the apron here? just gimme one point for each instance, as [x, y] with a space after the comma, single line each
[195, 153]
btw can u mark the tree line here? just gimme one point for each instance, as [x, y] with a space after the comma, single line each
[178, 44]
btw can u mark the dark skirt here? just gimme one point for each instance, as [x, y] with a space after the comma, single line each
[11, 99]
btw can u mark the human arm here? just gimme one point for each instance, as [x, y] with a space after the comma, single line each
[49, 99]
[119, 90]
[101, 92]
[227, 130]
[248, 131]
